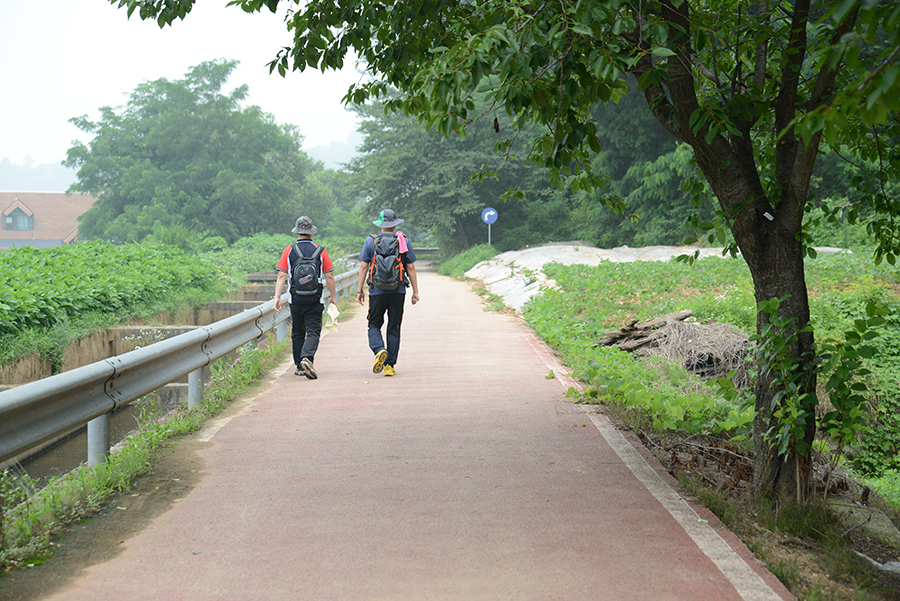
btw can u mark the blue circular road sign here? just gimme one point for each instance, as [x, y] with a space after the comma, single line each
[489, 215]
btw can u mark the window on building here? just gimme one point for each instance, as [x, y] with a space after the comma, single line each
[17, 221]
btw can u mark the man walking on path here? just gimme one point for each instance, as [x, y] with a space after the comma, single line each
[306, 264]
[387, 265]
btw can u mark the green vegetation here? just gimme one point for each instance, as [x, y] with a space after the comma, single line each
[186, 165]
[887, 485]
[657, 393]
[52, 297]
[458, 264]
[182, 153]
[43, 287]
[428, 180]
[49, 297]
[260, 252]
[30, 516]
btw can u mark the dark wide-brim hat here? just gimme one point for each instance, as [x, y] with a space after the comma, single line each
[304, 226]
[387, 219]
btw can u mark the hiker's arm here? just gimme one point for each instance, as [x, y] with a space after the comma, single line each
[329, 283]
[279, 286]
[360, 291]
[413, 281]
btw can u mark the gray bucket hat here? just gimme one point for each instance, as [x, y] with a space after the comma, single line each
[387, 219]
[304, 226]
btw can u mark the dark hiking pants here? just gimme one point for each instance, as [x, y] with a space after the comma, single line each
[306, 329]
[392, 304]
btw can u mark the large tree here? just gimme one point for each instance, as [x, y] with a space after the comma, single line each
[182, 152]
[428, 178]
[752, 87]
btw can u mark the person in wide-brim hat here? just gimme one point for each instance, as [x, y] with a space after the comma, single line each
[392, 249]
[387, 219]
[304, 226]
[306, 298]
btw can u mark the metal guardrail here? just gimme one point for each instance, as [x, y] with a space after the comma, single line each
[39, 411]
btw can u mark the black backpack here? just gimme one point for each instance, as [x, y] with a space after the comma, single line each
[306, 274]
[386, 272]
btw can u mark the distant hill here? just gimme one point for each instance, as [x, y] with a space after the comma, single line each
[47, 177]
[335, 154]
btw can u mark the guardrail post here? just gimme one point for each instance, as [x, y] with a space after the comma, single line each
[98, 439]
[281, 331]
[195, 387]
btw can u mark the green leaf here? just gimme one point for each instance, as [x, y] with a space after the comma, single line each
[840, 13]
[583, 29]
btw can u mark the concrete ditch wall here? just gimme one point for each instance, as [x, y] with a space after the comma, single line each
[116, 341]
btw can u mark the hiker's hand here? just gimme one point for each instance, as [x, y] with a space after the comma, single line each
[361, 297]
[278, 304]
[415, 298]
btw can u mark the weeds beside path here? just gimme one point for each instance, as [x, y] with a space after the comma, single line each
[80, 519]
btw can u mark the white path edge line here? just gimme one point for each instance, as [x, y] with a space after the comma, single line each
[748, 583]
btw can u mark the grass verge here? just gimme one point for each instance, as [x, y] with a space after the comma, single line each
[807, 548]
[459, 264]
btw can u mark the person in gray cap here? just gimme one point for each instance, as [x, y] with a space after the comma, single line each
[387, 266]
[306, 265]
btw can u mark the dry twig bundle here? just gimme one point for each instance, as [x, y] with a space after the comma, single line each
[709, 350]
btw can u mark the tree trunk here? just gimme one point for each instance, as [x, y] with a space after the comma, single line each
[776, 265]
[766, 226]
[768, 241]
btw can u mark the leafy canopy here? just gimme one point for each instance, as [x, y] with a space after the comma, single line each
[553, 62]
[183, 153]
[427, 178]
[752, 88]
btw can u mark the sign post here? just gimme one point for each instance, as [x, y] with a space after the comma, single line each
[489, 216]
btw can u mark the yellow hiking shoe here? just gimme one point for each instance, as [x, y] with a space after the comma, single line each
[389, 370]
[380, 358]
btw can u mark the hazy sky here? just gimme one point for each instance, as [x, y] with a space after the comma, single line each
[66, 58]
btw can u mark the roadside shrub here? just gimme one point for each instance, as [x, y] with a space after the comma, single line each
[459, 264]
[590, 301]
[45, 287]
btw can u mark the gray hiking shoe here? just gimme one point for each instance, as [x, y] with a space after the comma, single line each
[307, 368]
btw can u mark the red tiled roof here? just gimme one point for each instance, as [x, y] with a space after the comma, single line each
[55, 215]
[18, 205]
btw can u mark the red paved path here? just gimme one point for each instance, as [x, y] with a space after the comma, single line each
[468, 476]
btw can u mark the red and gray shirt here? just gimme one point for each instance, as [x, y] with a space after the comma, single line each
[307, 247]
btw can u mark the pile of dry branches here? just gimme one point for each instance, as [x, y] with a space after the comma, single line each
[709, 350]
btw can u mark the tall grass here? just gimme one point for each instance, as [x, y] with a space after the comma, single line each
[459, 264]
